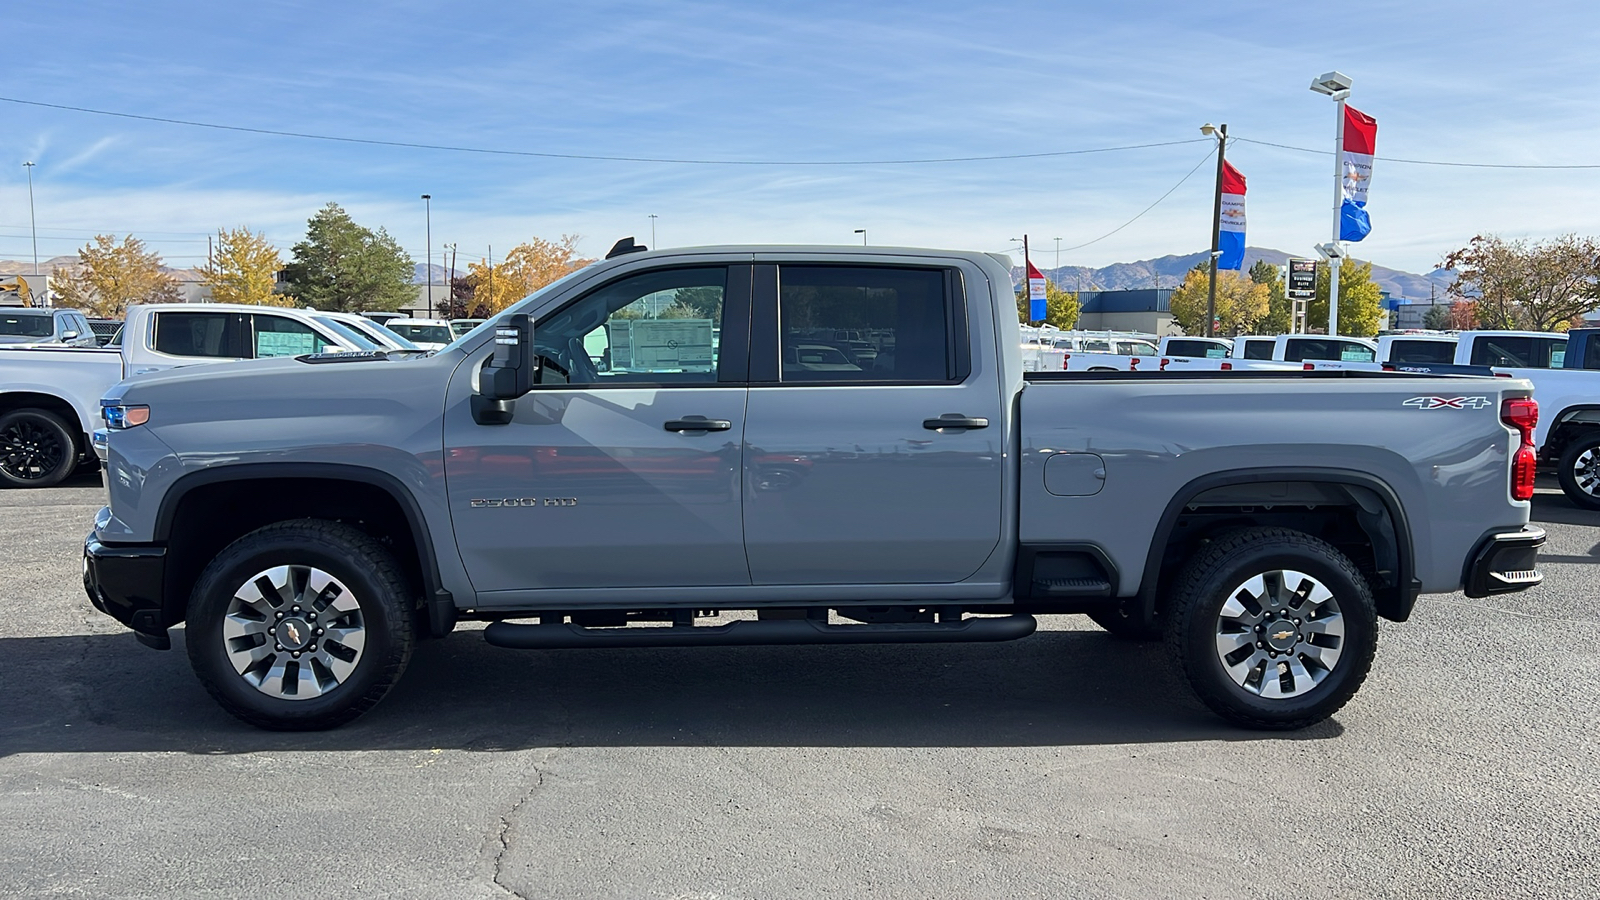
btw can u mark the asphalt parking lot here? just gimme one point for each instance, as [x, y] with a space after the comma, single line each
[1064, 765]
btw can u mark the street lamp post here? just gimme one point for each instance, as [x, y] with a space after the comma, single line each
[1221, 134]
[33, 226]
[863, 233]
[653, 231]
[1058, 257]
[1335, 85]
[427, 200]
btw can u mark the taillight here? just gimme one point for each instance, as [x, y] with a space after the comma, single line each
[1522, 414]
[1309, 366]
[1227, 367]
[1133, 363]
[1164, 362]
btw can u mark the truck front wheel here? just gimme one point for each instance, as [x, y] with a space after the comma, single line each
[1273, 628]
[1579, 470]
[300, 625]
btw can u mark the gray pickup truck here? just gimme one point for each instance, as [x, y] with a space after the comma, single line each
[792, 445]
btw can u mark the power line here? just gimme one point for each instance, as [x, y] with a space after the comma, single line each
[645, 159]
[1151, 206]
[1422, 162]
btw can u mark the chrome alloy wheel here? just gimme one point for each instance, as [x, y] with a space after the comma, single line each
[1280, 634]
[294, 632]
[1586, 471]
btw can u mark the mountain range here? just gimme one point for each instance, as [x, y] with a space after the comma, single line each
[1168, 272]
[1162, 271]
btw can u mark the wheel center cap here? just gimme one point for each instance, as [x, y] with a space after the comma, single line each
[293, 633]
[1282, 635]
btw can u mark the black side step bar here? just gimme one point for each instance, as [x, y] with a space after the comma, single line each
[765, 631]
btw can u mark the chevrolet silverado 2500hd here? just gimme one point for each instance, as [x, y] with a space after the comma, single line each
[841, 441]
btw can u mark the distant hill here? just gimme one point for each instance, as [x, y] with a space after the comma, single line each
[1168, 272]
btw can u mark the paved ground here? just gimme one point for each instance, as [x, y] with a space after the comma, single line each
[1064, 765]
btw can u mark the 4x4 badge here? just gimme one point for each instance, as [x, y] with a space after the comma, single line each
[1449, 402]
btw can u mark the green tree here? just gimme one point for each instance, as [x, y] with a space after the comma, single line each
[111, 275]
[1360, 301]
[1280, 312]
[1437, 317]
[346, 267]
[244, 269]
[1061, 307]
[1241, 302]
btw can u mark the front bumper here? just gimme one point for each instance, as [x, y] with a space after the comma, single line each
[124, 581]
[1504, 563]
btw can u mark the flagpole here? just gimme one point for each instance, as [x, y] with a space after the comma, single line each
[1338, 205]
[1216, 232]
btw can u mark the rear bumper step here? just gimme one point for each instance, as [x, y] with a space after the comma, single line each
[751, 633]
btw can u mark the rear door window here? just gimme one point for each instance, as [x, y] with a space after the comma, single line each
[865, 324]
[200, 334]
[1258, 349]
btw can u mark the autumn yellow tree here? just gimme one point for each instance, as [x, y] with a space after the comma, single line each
[525, 269]
[1360, 301]
[1242, 304]
[244, 269]
[111, 275]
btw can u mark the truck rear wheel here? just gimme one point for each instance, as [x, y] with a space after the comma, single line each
[1579, 470]
[36, 449]
[300, 625]
[1274, 629]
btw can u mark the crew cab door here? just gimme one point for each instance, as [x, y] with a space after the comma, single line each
[849, 478]
[624, 471]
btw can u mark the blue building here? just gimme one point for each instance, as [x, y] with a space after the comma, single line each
[1147, 310]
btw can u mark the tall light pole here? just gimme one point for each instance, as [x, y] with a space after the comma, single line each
[1058, 257]
[1335, 85]
[33, 225]
[1221, 134]
[427, 200]
[863, 233]
[653, 230]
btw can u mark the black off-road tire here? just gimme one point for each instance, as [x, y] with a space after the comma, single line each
[1126, 628]
[1203, 588]
[349, 555]
[36, 449]
[1586, 443]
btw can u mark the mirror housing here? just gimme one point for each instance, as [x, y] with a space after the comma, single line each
[69, 335]
[510, 371]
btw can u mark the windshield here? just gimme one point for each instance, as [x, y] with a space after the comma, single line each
[427, 334]
[349, 335]
[26, 326]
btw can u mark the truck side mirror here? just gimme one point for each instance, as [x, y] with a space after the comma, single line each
[510, 372]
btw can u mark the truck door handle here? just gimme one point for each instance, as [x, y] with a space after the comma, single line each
[955, 420]
[698, 423]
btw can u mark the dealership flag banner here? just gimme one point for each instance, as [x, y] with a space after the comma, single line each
[1036, 294]
[1230, 234]
[1360, 137]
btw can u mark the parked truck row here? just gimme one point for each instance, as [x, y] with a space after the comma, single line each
[578, 480]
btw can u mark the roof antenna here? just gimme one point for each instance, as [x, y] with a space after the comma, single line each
[625, 246]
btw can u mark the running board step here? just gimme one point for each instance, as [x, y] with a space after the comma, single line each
[752, 633]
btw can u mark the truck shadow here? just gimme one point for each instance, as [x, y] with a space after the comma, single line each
[1555, 508]
[104, 693]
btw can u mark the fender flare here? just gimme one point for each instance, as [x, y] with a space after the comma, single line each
[1397, 608]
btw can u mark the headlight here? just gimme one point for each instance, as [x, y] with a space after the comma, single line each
[119, 416]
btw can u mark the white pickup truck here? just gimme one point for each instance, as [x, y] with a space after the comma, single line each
[50, 397]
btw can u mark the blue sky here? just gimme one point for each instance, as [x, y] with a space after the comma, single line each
[821, 81]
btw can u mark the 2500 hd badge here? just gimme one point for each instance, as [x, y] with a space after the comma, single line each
[522, 501]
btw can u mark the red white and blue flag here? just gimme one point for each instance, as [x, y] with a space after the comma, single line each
[1230, 235]
[1360, 139]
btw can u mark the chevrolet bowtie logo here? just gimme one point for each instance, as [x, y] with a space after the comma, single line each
[294, 633]
[1280, 636]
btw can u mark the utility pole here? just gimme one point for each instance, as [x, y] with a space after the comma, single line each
[33, 225]
[427, 200]
[1216, 231]
[1058, 257]
[653, 231]
[491, 275]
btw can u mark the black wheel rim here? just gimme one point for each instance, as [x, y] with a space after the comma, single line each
[29, 451]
